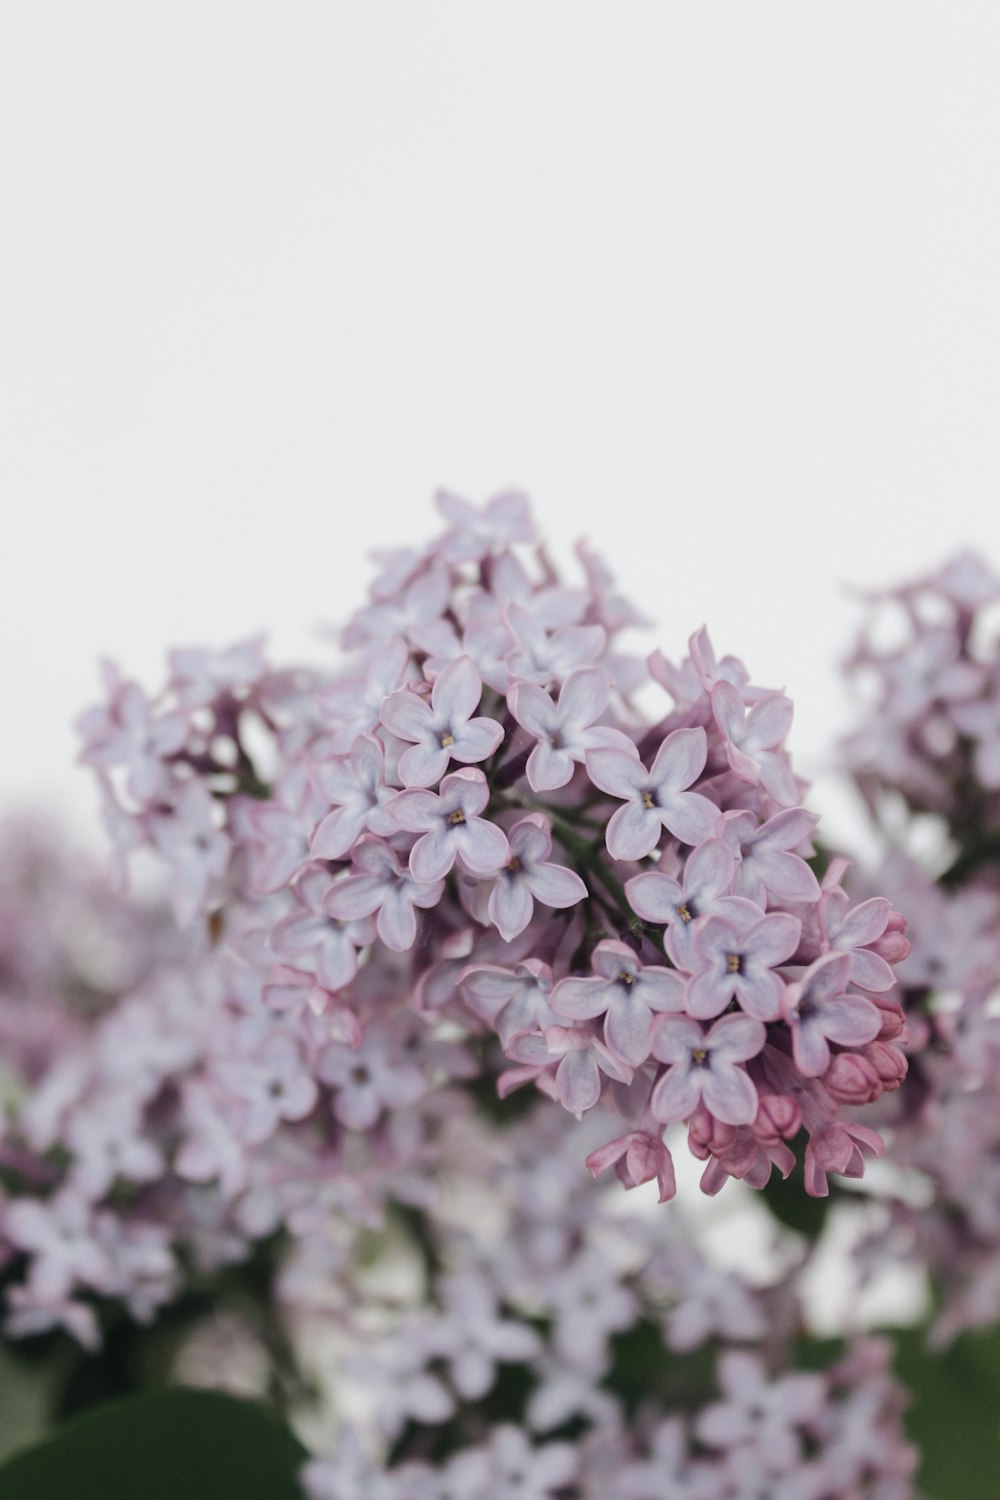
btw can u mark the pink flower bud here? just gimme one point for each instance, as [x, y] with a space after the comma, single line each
[852, 1079]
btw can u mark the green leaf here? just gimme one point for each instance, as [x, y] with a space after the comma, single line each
[165, 1445]
[954, 1418]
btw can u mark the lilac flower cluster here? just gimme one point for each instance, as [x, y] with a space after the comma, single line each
[473, 814]
[926, 757]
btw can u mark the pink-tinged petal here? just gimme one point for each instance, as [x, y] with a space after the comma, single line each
[633, 831]
[736, 1038]
[416, 811]
[708, 994]
[483, 847]
[864, 924]
[584, 697]
[510, 907]
[457, 691]
[628, 1028]
[778, 780]
[533, 709]
[368, 759]
[689, 816]
[338, 831]
[871, 972]
[677, 1095]
[663, 990]
[654, 897]
[730, 1095]
[580, 999]
[785, 875]
[423, 765]
[787, 829]
[407, 715]
[548, 769]
[675, 1037]
[774, 939]
[616, 772]
[397, 923]
[760, 995]
[727, 705]
[467, 789]
[680, 760]
[851, 1020]
[810, 1050]
[476, 740]
[354, 897]
[336, 965]
[433, 855]
[554, 885]
[768, 722]
[710, 868]
[578, 1082]
[530, 838]
[827, 977]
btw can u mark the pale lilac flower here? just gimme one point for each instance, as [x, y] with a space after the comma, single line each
[369, 1079]
[108, 1143]
[192, 843]
[567, 729]
[711, 1304]
[541, 657]
[765, 864]
[705, 1067]
[272, 1083]
[127, 733]
[513, 1001]
[356, 786]
[930, 670]
[655, 799]
[583, 1058]
[420, 602]
[855, 931]
[443, 730]
[736, 958]
[818, 1012]
[637, 1158]
[626, 993]
[473, 534]
[450, 826]
[761, 1415]
[282, 829]
[528, 877]
[381, 884]
[352, 705]
[59, 1235]
[752, 742]
[199, 676]
[313, 940]
[475, 1338]
[678, 904]
[509, 1468]
[590, 1303]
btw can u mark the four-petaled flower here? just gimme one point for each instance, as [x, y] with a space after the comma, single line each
[355, 784]
[564, 730]
[657, 798]
[444, 729]
[626, 994]
[381, 884]
[706, 1066]
[819, 1012]
[528, 877]
[451, 827]
[678, 904]
[736, 959]
[765, 864]
[752, 739]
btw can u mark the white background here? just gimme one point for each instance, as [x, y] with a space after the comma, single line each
[716, 283]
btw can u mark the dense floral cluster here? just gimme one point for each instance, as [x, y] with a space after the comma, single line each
[926, 759]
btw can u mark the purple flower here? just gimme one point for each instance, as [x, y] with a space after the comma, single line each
[752, 741]
[706, 1067]
[355, 784]
[707, 879]
[736, 958]
[444, 729]
[380, 884]
[369, 1079]
[199, 676]
[819, 1012]
[127, 733]
[626, 994]
[451, 827]
[761, 1415]
[528, 877]
[565, 730]
[473, 534]
[273, 1084]
[198, 851]
[583, 1058]
[765, 864]
[282, 829]
[540, 657]
[312, 940]
[655, 799]
[352, 705]
[512, 1001]
[852, 932]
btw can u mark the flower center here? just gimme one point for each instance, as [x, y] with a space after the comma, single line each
[685, 913]
[626, 978]
[446, 740]
[734, 963]
[698, 1055]
[456, 817]
[514, 864]
[648, 799]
